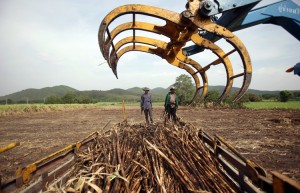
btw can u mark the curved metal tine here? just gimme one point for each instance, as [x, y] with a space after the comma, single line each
[159, 52]
[169, 30]
[244, 55]
[247, 74]
[206, 24]
[197, 39]
[114, 60]
[138, 39]
[193, 74]
[134, 8]
[184, 59]
[163, 46]
[158, 43]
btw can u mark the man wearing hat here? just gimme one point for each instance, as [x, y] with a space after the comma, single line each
[146, 105]
[171, 104]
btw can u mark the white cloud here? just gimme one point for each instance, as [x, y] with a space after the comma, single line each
[267, 71]
[48, 43]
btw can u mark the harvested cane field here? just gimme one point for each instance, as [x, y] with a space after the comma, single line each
[267, 137]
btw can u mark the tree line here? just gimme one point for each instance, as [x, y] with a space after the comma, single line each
[185, 91]
[69, 98]
[184, 88]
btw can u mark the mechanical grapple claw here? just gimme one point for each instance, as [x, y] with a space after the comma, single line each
[180, 29]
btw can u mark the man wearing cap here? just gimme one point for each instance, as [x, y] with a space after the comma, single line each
[171, 104]
[146, 105]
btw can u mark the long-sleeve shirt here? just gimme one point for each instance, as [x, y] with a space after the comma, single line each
[167, 100]
[146, 101]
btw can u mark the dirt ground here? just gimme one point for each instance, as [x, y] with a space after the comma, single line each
[270, 138]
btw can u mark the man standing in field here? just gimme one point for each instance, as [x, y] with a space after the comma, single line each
[171, 104]
[146, 105]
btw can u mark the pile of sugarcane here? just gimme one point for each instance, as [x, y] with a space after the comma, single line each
[159, 158]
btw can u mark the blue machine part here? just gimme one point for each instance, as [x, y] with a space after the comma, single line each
[284, 13]
[213, 7]
[297, 69]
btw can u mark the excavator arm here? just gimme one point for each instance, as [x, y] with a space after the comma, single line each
[180, 28]
[240, 15]
[199, 24]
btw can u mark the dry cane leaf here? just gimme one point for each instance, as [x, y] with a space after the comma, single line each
[79, 184]
[70, 189]
[94, 186]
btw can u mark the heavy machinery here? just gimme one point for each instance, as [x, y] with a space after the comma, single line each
[197, 23]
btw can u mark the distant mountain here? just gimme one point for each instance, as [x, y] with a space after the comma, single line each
[38, 94]
[131, 94]
[109, 95]
[154, 91]
[119, 91]
[136, 90]
[160, 91]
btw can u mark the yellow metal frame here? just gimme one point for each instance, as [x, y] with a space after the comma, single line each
[26, 172]
[160, 49]
[180, 28]
[9, 146]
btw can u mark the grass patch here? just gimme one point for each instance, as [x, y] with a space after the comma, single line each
[273, 105]
[105, 104]
[30, 108]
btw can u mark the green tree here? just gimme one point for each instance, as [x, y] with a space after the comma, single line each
[69, 98]
[7, 101]
[254, 98]
[212, 96]
[296, 95]
[53, 100]
[10, 101]
[184, 88]
[270, 96]
[249, 97]
[284, 95]
[82, 99]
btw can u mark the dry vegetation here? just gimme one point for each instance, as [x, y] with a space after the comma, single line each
[267, 137]
[134, 158]
[7, 110]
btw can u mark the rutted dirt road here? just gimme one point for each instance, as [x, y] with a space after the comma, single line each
[271, 138]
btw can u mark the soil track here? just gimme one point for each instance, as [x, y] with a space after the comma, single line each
[268, 137]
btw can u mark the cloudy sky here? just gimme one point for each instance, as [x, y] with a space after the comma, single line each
[54, 42]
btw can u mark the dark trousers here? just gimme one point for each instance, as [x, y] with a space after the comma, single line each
[171, 113]
[148, 113]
